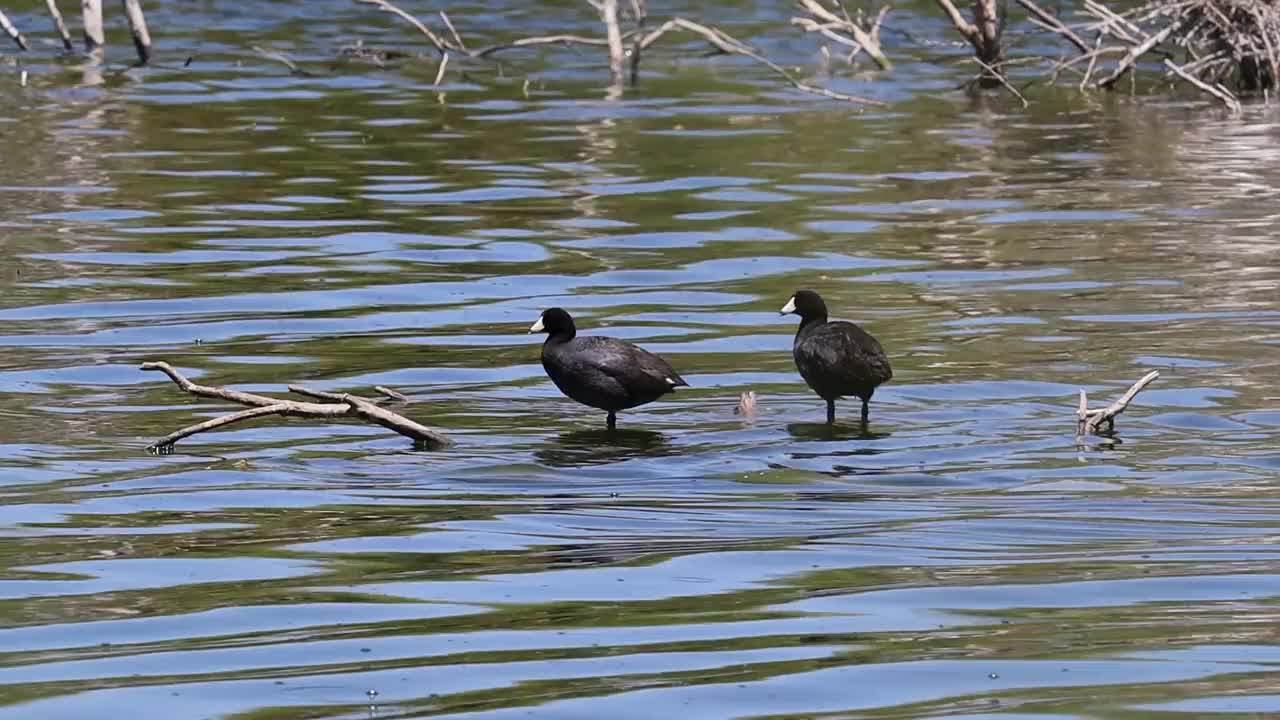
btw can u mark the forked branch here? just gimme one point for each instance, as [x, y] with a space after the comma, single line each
[337, 405]
[844, 30]
[614, 39]
[1088, 421]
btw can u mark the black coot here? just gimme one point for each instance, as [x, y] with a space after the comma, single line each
[602, 372]
[835, 358]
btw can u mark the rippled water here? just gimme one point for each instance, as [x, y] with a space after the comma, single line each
[964, 557]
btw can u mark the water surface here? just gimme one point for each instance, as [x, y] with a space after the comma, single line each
[963, 556]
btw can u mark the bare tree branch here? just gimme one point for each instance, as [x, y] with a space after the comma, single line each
[59, 25]
[1088, 421]
[138, 28]
[728, 44]
[827, 23]
[613, 34]
[280, 58]
[999, 76]
[1054, 24]
[1219, 92]
[1128, 61]
[453, 31]
[12, 31]
[440, 43]
[94, 38]
[341, 405]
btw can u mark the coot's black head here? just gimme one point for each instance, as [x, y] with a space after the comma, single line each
[555, 322]
[807, 304]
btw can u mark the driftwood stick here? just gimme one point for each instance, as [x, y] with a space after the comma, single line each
[317, 394]
[1093, 419]
[280, 58]
[59, 25]
[999, 76]
[209, 391]
[453, 31]
[728, 44]
[342, 405]
[1218, 92]
[444, 64]
[368, 411]
[1053, 23]
[440, 43]
[12, 32]
[1112, 23]
[966, 28]
[613, 35]
[93, 35]
[173, 437]
[1093, 63]
[541, 40]
[1127, 62]
[827, 22]
[1082, 413]
[138, 28]
[392, 394]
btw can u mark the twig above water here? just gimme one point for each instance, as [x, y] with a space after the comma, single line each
[280, 58]
[338, 405]
[1215, 90]
[1088, 421]
[613, 40]
[830, 25]
[138, 28]
[59, 25]
[12, 31]
[440, 43]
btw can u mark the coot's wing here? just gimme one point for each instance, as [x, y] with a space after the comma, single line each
[845, 350]
[635, 368]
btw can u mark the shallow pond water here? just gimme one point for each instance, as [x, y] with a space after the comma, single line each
[963, 556]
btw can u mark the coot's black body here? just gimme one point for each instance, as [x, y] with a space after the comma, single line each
[838, 358]
[602, 372]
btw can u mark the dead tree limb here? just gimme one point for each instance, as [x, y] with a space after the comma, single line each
[830, 25]
[1053, 23]
[444, 64]
[728, 44]
[613, 36]
[93, 35]
[999, 77]
[391, 394]
[614, 39]
[59, 25]
[1219, 92]
[1088, 421]
[12, 32]
[138, 28]
[457, 39]
[1128, 61]
[281, 58]
[440, 43]
[339, 405]
[543, 40]
[983, 34]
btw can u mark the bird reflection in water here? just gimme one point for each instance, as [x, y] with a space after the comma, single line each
[822, 432]
[580, 448]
